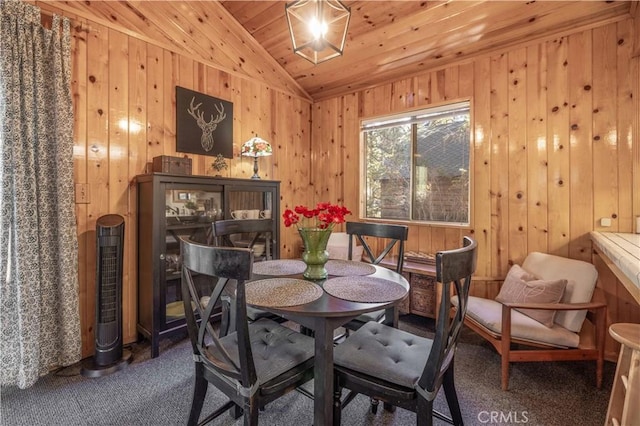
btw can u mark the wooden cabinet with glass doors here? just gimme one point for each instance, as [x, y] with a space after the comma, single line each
[174, 206]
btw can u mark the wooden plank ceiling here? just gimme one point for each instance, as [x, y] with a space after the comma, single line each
[387, 40]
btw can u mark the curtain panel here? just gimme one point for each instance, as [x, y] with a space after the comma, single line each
[39, 314]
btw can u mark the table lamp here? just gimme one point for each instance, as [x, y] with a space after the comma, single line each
[256, 147]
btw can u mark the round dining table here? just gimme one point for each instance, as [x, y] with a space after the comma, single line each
[351, 289]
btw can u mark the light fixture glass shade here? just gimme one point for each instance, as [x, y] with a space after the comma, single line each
[318, 28]
[256, 147]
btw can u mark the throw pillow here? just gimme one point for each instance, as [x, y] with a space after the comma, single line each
[521, 286]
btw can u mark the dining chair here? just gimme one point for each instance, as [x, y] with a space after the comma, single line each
[405, 370]
[575, 329]
[393, 235]
[245, 233]
[253, 365]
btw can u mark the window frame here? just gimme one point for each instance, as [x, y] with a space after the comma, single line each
[425, 109]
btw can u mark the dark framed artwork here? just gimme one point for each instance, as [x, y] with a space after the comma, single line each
[204, 124]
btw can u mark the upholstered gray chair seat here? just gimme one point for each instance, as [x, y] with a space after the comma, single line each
[385, 352]
[276, 349]
[371, 316]
[254, 314]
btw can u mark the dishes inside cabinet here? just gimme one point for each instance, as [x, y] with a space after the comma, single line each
[258, 250]
[172, 262]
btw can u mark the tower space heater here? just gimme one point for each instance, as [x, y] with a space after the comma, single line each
[109, 356]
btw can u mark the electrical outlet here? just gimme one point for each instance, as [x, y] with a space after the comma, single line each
[82, 193]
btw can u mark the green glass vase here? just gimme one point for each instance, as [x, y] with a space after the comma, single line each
[315, 253]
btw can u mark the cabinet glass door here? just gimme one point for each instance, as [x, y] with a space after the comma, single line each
[189, 212]
[243, 204]
[253, 202]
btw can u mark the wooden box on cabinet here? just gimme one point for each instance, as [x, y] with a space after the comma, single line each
[175, 206]
[172, 165]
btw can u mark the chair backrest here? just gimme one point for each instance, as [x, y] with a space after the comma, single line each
[453, 269]
[396, 234]
[217, 267]
[258, 229]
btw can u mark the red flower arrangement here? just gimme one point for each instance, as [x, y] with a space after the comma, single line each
[324, 216]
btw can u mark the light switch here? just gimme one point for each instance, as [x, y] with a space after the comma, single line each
[605, 221]
[82, 193]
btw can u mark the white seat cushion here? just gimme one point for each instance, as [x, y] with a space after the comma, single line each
[488, 313]
[581, 282]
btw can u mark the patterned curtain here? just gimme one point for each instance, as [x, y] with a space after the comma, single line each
[39, 313]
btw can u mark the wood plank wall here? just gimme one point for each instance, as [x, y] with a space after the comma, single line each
[552, 150]
[124, 106]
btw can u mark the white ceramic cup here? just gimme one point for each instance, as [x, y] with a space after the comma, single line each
[265, 214]
[253, 214]
[258, 249]
[239, 214]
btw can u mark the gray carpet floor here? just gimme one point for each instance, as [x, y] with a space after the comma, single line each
[158, 392]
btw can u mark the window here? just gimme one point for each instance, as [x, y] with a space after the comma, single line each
[416, 165]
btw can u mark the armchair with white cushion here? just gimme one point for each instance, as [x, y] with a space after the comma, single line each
[552, 311]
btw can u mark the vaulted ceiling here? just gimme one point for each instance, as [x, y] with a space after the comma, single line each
[387, 40]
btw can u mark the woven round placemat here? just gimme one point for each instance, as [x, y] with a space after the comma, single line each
[279, 267]
[364, 289]
[348, 267]
[276, 292]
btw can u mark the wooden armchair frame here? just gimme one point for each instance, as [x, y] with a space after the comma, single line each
[592, 337]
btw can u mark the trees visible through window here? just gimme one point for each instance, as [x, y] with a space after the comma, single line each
[417, 165]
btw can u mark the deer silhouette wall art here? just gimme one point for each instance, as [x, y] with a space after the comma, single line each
[204, 124]
[207, 126]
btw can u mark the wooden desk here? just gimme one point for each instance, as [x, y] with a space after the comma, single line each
[615, 256]
[621, 253]
[323, 316]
